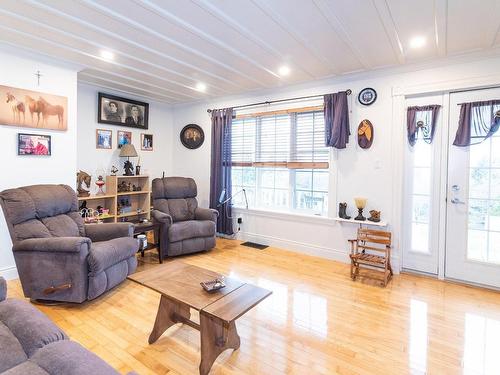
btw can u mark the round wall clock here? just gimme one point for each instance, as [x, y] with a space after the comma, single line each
[367, 96]
[365, 134]
[192, 136]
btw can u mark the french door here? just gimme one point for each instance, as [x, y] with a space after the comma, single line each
[422, 194]
[473, 201]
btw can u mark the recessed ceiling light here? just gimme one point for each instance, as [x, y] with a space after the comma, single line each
[284, 70]
[200, 86]
[417, 42]
[107, 55]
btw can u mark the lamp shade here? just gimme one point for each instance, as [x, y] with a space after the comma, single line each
[128, 150]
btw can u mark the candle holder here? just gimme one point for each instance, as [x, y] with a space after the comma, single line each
[360, 204]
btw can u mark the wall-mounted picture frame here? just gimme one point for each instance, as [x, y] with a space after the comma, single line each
[146, 142]
[192, 136]
[103, 139]
[115, 110]
[34, 144]
[33, 109]
[124, 138]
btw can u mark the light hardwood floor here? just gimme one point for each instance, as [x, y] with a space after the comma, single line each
[316, 322]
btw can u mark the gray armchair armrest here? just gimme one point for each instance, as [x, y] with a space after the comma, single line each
[3, 289]
[206, 214]
[162, 217]
[54, 244]
[108, 231]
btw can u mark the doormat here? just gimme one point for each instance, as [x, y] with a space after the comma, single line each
[254, 245]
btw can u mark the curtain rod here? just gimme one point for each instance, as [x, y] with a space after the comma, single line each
[348, 91]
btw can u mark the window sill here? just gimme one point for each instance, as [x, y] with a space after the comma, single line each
[283, 215]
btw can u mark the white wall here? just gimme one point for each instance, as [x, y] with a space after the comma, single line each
[375, 173]
[91, 159]
[19, 71]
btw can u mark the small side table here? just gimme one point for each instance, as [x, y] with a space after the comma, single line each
[140, 228]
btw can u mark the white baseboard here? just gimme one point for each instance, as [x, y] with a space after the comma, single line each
[9, 273]
[305, 248]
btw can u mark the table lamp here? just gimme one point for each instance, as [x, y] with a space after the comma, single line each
[128, 151]
[360, 204]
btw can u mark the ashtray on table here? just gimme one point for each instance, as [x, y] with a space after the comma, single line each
[213, 285]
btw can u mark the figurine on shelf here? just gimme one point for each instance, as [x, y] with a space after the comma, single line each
[136, 188]
[123, 187]
[343, 211]
[374, 216]
[100, 183]
[129, 168]
[138, 168]
[83, 178]
[113, 170]
[360, 204]
[83, 206]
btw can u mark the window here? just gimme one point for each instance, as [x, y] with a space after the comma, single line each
[421, 192]
[281, 161]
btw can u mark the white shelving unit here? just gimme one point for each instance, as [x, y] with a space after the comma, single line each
[359, 222]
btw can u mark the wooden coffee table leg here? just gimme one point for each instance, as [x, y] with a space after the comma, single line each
[168, 311]
[215, 338]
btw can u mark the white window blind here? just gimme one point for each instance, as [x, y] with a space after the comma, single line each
[281, 161]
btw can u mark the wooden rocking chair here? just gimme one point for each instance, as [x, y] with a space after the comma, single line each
[371, 250]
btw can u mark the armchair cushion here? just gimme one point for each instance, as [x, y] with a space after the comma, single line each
[11, 351]
[32, 329]
[108, 253]
[3, 289]
[53, 244]
[206, 214]
[105, 232]
[184, 230]
[70, 357]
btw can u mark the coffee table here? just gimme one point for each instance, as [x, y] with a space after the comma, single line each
[180, 289]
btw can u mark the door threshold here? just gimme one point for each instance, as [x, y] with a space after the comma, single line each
[472, 284]
[420, 273]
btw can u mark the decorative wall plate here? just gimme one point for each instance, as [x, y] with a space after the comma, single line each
[365, 134]
[367, 96]
[192, 136]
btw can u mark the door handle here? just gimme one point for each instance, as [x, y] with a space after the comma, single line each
[457, 201]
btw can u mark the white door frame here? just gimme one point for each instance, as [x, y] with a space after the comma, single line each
[398, 135]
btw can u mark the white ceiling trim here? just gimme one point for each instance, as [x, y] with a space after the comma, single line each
[87, 74]
[108, 12]
[441, 26]
[131, 42]
[285, 25]
[191, 28]
[390, 29]
[218, 13]
[337, 26]
[101, 47]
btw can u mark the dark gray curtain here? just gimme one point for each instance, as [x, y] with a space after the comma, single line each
[220, 172]
[478, 121]
[337, 130]
[422, 119]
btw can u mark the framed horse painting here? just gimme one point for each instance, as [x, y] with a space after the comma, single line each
[32, 109]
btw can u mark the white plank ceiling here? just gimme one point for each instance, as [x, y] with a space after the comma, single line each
[164, 48]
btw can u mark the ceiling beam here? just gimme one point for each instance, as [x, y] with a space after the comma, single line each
[117, 52]
[129, 41]
[127, 20]
[286, 26]
[441, 26]
[160, 11]
[326, 10]
[391, 31]
[243, 31]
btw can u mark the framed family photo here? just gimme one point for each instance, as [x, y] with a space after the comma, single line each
[103, 139]
[124, 138]
[146, 142]
[115, 110]
[34, 144]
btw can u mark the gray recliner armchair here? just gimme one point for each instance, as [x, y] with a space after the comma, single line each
[58, 257]
[185, 227]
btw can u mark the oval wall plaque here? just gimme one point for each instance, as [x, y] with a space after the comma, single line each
[365, 134]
